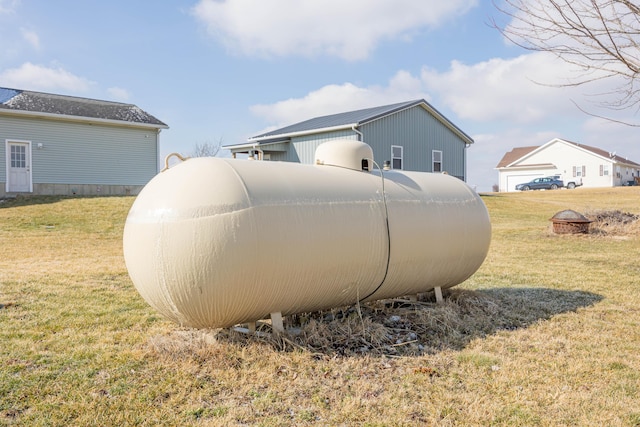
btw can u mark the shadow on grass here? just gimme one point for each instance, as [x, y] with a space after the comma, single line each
[12, 202]
[407, 328]
[17, 201]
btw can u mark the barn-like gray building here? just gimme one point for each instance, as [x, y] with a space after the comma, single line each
[64, 145]
[410, 135]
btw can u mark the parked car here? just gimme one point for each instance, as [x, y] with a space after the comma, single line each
[546, 183]
[571, 182]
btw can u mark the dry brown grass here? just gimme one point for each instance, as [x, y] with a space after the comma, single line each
[401, 327]
[614, 223]
[547, 333]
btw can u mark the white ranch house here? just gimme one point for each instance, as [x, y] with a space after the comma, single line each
[593, 166]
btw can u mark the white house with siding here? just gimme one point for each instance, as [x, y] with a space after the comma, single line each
[64, 145]
[410, 135]
[593, 166]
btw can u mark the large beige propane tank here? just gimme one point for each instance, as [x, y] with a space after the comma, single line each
[215, 242]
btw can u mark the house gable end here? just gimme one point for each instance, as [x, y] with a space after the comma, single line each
[354, 119]
[519, 157]
[331, 122]
[537, 150]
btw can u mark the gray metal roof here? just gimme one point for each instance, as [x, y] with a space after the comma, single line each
[15, 100]
[357, 118]
[340, 119]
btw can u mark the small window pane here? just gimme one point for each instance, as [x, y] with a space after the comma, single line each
[436, 163]
[396, 156]
[18, 156]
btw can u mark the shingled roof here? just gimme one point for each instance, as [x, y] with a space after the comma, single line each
[45, 104]
[354, 118]
[515, 154]
[519, 152]
[604, 153]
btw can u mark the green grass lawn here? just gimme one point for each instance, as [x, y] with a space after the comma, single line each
[547, 333]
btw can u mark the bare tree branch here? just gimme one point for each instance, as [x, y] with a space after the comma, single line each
[599, 37]
[207, 149]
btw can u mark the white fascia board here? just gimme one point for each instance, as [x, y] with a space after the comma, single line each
[532, 152]
[525, 167]
[442, 119]
[554, 140]
[584, 150]
[66, 118]
[251, 145]
[237, 146]
[447, 123]
[621, 162]
[302, 133]
[432, 110]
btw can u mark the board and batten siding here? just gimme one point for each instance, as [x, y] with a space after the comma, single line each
[419, 133]
[83, 153]
[304, 147]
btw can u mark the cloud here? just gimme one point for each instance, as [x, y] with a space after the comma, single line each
[118, 93]
[8, 6]
[531, 88]
[38, 77]
[31, 37]
[493, 90]
[504, 89]
[497, 102]
[350, 30]
[611, 136]
[335, 98]
[599, 46]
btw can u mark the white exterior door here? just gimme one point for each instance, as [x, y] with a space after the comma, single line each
[19, 167]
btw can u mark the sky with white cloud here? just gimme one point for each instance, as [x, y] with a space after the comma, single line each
[230, 69]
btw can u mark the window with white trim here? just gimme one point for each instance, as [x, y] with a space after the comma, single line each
[579, 171]
[396, 156]
[18, 156]
[604, 170]
[436, 157]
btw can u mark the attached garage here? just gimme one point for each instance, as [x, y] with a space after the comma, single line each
[514, 180]
[576, 164]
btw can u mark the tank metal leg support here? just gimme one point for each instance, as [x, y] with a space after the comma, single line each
[276, 322]
[438, 291]
[251, 326]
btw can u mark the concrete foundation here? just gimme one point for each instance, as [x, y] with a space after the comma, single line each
[76, 190]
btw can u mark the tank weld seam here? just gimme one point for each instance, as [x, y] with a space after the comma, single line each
[386, 218]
